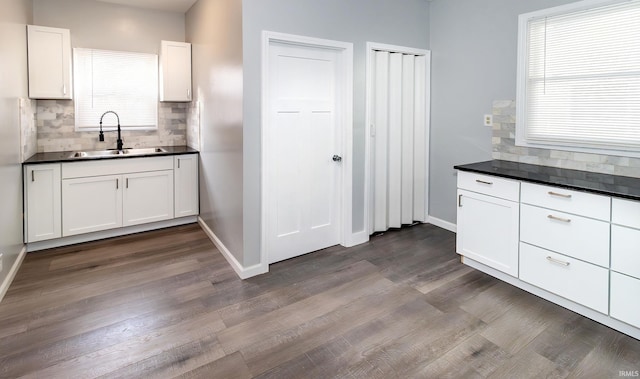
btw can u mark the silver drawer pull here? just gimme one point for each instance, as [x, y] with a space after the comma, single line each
[552, 217]
[551, 259]
[559, 194]
[483, 182]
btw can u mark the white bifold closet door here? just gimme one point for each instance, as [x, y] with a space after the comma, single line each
[399, 140]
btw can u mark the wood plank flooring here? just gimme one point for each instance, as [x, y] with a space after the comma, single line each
[165, 304]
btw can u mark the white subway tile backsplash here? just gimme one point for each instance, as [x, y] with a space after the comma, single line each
[504, 148]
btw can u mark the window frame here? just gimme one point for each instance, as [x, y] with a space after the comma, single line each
[522, 76]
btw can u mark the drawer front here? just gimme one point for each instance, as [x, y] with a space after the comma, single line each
[489, 185]
[572, 279]
[625, 212]
[115, 166]
[625, 250]
[579, 237]
[625, 292]
[564, 200]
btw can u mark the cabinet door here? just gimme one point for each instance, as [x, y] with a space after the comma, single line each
[488, 231]
[42, 186]
[148, 197]
[186, 185]
[91, 204]
[625, 292]
[49, 62]
[175, 71]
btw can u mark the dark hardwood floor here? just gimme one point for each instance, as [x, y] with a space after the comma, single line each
[166, 304]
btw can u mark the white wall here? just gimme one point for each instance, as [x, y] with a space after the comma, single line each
[214, 28]
[398, 22]
[473, 46]
[14, 16]
[106, 26]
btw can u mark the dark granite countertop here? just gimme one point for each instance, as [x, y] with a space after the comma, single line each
[605, 184]
[66, 156]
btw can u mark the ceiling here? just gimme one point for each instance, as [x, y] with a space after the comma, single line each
[181, 6]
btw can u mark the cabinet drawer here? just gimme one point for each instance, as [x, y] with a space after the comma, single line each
[625, 212]
[572, 279]
[625, 250]
[489, 185]
[564, 200]
[115, 166]
[625, 292]
[579, 237]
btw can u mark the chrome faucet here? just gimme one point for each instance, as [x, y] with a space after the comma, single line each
[101, 137]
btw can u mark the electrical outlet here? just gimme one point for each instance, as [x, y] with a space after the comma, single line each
[488, 120]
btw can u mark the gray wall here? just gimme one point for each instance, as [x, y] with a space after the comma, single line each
[398, 22]
[13, 85]
[473, 44]
[98, 25]
[214, 27]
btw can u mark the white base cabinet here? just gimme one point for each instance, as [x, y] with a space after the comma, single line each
[578, 249]
[488, 221]
[42, 202]
[74, 198]
[186, 185]
[490, 230]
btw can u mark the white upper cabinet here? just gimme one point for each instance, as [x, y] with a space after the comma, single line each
[49, 55]
[175, 71]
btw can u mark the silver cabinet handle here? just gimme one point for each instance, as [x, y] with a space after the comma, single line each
[33, 176]
[117, 183]
[336, 158]
[188, 94]
[566, 196]
[553, 260]
[64, 89]
[552, 217]
[483, 182]
[459, 200]
[178, 162]
[127, 183]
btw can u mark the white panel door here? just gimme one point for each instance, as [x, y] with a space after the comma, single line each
[304, 135]
[147, 197]
[488, 230]
[43, 217]
[91, 204]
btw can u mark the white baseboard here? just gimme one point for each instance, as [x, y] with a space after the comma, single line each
[4, 286]
[241, 271]
[443, 224]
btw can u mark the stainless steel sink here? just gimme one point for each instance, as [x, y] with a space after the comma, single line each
[115, 153]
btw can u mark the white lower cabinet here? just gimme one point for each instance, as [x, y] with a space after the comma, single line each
[625, 292]
[147, 197]
[578, 249]
[42, 202]
[186, 185]
[575, 280]
[488, 230]
[91, 204]
[73, 198]
[488, 216]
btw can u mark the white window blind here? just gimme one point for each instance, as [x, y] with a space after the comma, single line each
[124, 82]
[579, 77]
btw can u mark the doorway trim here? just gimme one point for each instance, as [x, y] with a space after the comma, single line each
[346, 114]
[372, 47]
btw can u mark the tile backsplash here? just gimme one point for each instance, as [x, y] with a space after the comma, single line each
[504, 148]
[56, 129]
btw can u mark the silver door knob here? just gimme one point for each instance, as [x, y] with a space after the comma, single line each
[337, 158]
